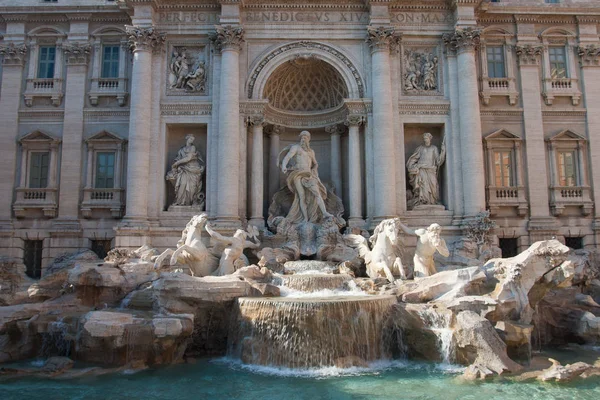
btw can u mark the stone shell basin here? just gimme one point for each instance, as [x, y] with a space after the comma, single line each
[312, 332]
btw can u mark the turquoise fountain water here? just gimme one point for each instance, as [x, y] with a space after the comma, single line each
[223, 379]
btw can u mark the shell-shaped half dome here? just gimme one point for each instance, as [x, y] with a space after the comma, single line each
[305, 84]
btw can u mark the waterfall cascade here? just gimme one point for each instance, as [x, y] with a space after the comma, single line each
[312, 331]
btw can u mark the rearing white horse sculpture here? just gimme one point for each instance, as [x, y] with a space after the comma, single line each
[383, 260]
[190, 250]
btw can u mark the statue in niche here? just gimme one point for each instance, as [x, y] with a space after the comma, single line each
[423, 166]
[428, 243]
[186, 175]
[421, 71]
[182, 76]
[232, 257]
[303, 181]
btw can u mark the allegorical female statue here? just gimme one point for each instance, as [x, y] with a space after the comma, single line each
[186, 175]
[423, 166]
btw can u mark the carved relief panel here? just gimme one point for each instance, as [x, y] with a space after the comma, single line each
[421, 70]
[187, 70]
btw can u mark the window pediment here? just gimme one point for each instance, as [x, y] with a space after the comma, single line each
[38, 137]
[105, 137]
[502, 134]
[567, 135]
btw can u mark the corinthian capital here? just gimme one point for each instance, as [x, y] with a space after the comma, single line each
[529, 54]
[256, 120]
[382, 38]
[144, 39]
[77, 53]
[463, 39]
[354, 120]
[590, 55]
[14, 54]
[227, 37]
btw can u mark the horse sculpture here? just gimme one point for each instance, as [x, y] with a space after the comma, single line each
[383, 260]
[191, 251]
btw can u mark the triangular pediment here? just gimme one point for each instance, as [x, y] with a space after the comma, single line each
[105, 137]
[502, 134]
[567, 134]
[38, 136]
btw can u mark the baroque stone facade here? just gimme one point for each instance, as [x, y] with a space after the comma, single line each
[97, 97]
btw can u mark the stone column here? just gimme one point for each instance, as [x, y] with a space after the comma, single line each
[77, 58]
[354, 170]
[257, 172]
[336, 158]
[273, 167]
[143, 41]
[465, 41]
[10, 95]
[380, 39]
[590, 76]
[228, 39]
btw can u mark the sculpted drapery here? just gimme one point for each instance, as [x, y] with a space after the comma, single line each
[186, 175]
[423, 166]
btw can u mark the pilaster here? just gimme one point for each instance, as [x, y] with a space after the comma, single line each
[13, 59]
[77, 58]
[465, 41]
[589, 56]
[535, 149]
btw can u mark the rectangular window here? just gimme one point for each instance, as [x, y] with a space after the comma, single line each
[105, 170]
[110, 61]
[502, 168]
[558, 62]
[32, 258]
[38, 170]
[46, 62]
[495, 60]
[566, 168]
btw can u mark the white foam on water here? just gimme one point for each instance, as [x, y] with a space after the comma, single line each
[374, 368]
[285, 291]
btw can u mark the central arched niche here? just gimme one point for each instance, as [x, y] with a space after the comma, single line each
[305, 84]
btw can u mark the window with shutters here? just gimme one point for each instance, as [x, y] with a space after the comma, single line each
[38, 170]
[495, 61]
[110, 61]
[47, 59]
[36, 194]
[105, 170]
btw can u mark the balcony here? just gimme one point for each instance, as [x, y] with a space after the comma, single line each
[102, 199]
[44, 87]
[498, 87]
[40, 199]
[570, 196]
[565, 87]
[108, 87]
[512, 196]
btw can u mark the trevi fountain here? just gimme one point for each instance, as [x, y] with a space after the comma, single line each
[330, 313]
[324, 200]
